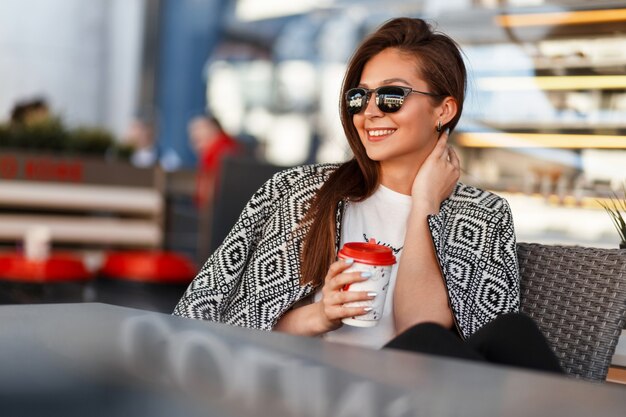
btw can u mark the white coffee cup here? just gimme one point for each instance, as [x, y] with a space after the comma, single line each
[378, 261]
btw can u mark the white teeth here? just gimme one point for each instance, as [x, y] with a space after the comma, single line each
[381, 132]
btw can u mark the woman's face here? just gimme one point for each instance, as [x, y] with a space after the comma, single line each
[408, 135]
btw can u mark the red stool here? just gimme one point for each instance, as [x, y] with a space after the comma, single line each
[61, 278]
[149, 280]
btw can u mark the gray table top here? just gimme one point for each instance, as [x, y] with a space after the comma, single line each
[108, 360]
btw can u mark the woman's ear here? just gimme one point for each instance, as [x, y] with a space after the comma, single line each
[447, 110]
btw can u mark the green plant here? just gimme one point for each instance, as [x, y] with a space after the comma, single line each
[121, 151]
[51, 135]
[48, 134]
[616, 209]
[6, 137]
[89, 140]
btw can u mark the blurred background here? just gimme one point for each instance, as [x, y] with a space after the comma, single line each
[97, 100]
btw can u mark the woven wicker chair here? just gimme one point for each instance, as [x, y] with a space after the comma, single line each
[577, 296]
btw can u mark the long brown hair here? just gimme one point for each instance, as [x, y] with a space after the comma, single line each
[440, 65]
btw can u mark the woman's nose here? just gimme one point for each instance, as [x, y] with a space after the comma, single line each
[371, 109]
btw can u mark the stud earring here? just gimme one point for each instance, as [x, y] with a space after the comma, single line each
[439, 126]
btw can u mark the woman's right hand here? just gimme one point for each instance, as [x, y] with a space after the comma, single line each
[331, 306]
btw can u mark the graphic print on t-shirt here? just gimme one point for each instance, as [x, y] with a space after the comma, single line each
[378, 242]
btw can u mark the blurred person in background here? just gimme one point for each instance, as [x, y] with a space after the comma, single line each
[454, 290]
[145, 151]
[140, 137]
[28, 112]
[211, 144]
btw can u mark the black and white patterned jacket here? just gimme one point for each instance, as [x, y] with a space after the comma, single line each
[253, 278]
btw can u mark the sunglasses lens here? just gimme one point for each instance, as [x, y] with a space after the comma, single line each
[390, 99]
[356, 99]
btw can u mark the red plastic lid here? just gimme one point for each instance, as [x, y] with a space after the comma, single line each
[60, 267]
[149, 266]
[368, 253]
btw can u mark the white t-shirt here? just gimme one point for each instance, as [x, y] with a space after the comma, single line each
[382, 217]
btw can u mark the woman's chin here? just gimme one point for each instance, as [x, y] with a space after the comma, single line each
[375, 155]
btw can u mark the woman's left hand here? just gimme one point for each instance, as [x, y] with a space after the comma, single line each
[437, 176]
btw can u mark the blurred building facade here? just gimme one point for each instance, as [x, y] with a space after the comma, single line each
[544, 123]
[83, 57]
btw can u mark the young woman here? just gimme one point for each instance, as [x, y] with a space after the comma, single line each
[456, 277]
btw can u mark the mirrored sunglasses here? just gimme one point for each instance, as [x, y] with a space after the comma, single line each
[389, 98]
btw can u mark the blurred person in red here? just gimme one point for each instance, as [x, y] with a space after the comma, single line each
[211, 144]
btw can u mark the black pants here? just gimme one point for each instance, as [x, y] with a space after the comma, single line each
[511, 339]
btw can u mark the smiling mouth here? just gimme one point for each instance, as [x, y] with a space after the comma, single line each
[379, 133]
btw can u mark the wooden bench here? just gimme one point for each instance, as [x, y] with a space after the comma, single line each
[82, 202]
